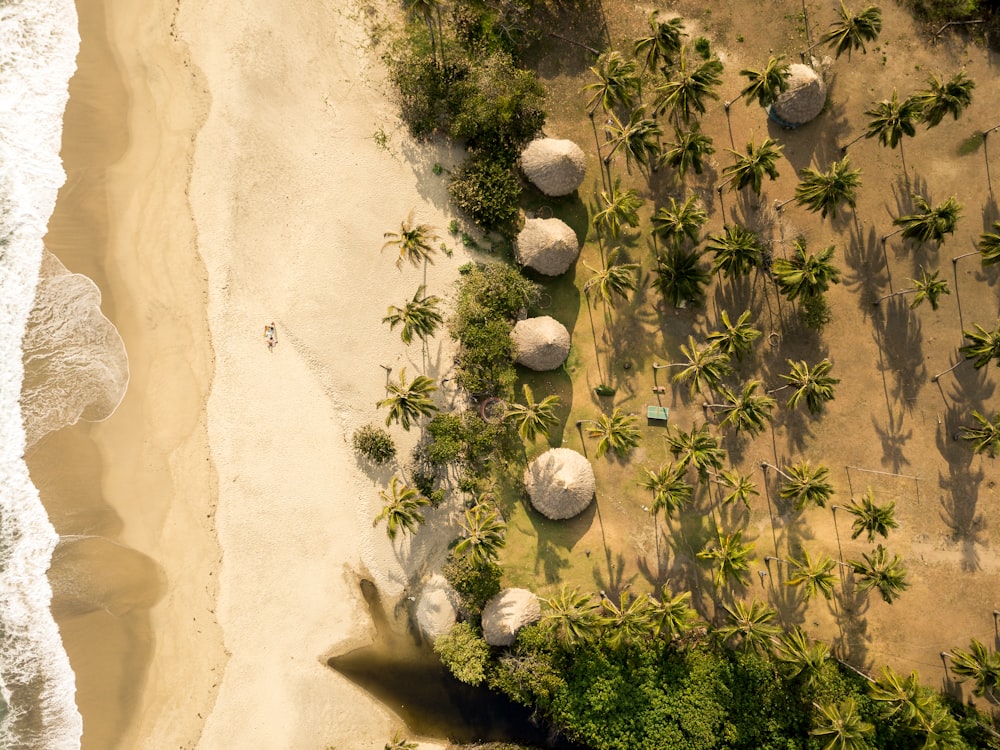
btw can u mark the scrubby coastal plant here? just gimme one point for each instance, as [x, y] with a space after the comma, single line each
[475, 581]
[374, 443]
[487, 191]
[464, 652]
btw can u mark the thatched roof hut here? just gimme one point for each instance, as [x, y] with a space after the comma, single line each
[541, 343]
[804, 98]
[437, 607]
[547, 245]
[554, 166]
[560, 483]
[508, 612]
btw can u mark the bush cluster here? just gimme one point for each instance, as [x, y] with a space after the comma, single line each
[374, 443]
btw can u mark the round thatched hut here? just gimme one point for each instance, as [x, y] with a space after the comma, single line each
[804, 98]
[560, 483]
[508, 612]
[542, 343]
[437, 607]
[554, 166]
[547, 245]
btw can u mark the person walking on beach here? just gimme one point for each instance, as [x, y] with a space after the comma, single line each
[270, 335]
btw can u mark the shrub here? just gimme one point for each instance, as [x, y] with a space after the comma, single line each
[464, 438]
[487, 191]
[374, 443]
[430, 96]
[464, 652]
[703, 47]
[475, 583]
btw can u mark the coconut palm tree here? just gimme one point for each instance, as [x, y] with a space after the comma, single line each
[939, 729]
[618, 208]
[533, 418]
[983, 345]
[901, 697]
[402, 509]
[617, 432]
[408, 402]
[419, 316]
[986, 437]
[688, 88]
[698, 448]
[738, 251]
[687, 151]
[801, 659]
[483, 534]
[877, 571]
[812, 384]
[765, 84]
[680, 277]
[665, 39]
[851, 31]
[628, 620]
[750, 626]
[412, 242]
[730, 558]
[615, 280]
[670, 616]
[750, 168]
[734, 338]
[671, 492]
[400, 743]
[805, 274]
[572, 617]
[890, 119]
[870, 518]
[741, 487]
[617, 82]
[745, 411]
[805, 485]
[928, 287]
[814, 576]
[942, 98]
[637, 138]
[705, 365]
[989, 246]
[429, 11]
[930, 223]
[980, 665]
[841, 727]
[826, 191]
[680, 220]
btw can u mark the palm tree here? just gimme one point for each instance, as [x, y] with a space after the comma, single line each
[418, 317]
[664, 41]
[807, 275]
[890, 120]
[928, 287]
[484, 534]
[670, 615]
[945, 98]
[989, 246]
[737, 251]
[617, 82]
[680, 276]
[412, 241]
[741, 487]
[812, 384]
[750, 625]
[617, 432]
[852, 30]
[402, 509]
[687, 151]
[766, 83]
[734, 338]
[870, 518]
[939, 729]
[572, 617]
[400, 743]
[670, 490]
[533, 418]
[800, 658]
[841, 726]
[745, 411]
[637, 138]
[408, 402]
[619, 207]
[930, 223]
[879, 572]
[730, 558]
[826, 191]
[614, 280]
[986, 437]
[679, 221]
[983, 345]
[698, 448]
[705, 365]
[428, 10]
[980, 665]
[688, 89]
[751, 167]
[902, 697]
[814, 576]
[805, 485]
[628, 620]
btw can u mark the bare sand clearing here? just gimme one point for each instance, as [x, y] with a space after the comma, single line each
[222, 154]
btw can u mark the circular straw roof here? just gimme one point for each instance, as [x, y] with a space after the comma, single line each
[560, 483]
[547, 245]
[542, 343]
[804, 98]
[555, 166]
[508, 612]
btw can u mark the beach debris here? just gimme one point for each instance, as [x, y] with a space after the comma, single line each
[508, 612]
[555, 166]
[541, 343]
[549, 246]
[560, 483]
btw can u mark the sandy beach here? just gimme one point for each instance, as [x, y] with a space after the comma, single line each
[222, 174]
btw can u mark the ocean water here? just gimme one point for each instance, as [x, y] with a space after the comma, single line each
[38, 47]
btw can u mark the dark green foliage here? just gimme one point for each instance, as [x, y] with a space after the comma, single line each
[527, 672]
[464, 652]
[703, 47]
[476, 583]
[487, 190]
[464, 438]
[430, 95]
[374, 443]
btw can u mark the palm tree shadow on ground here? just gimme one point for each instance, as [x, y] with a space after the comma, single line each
[849, 605]
[787, 600]
[900, 340]
[894, 440]
[865, 273]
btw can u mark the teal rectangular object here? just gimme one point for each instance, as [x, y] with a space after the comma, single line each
[659, 413]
